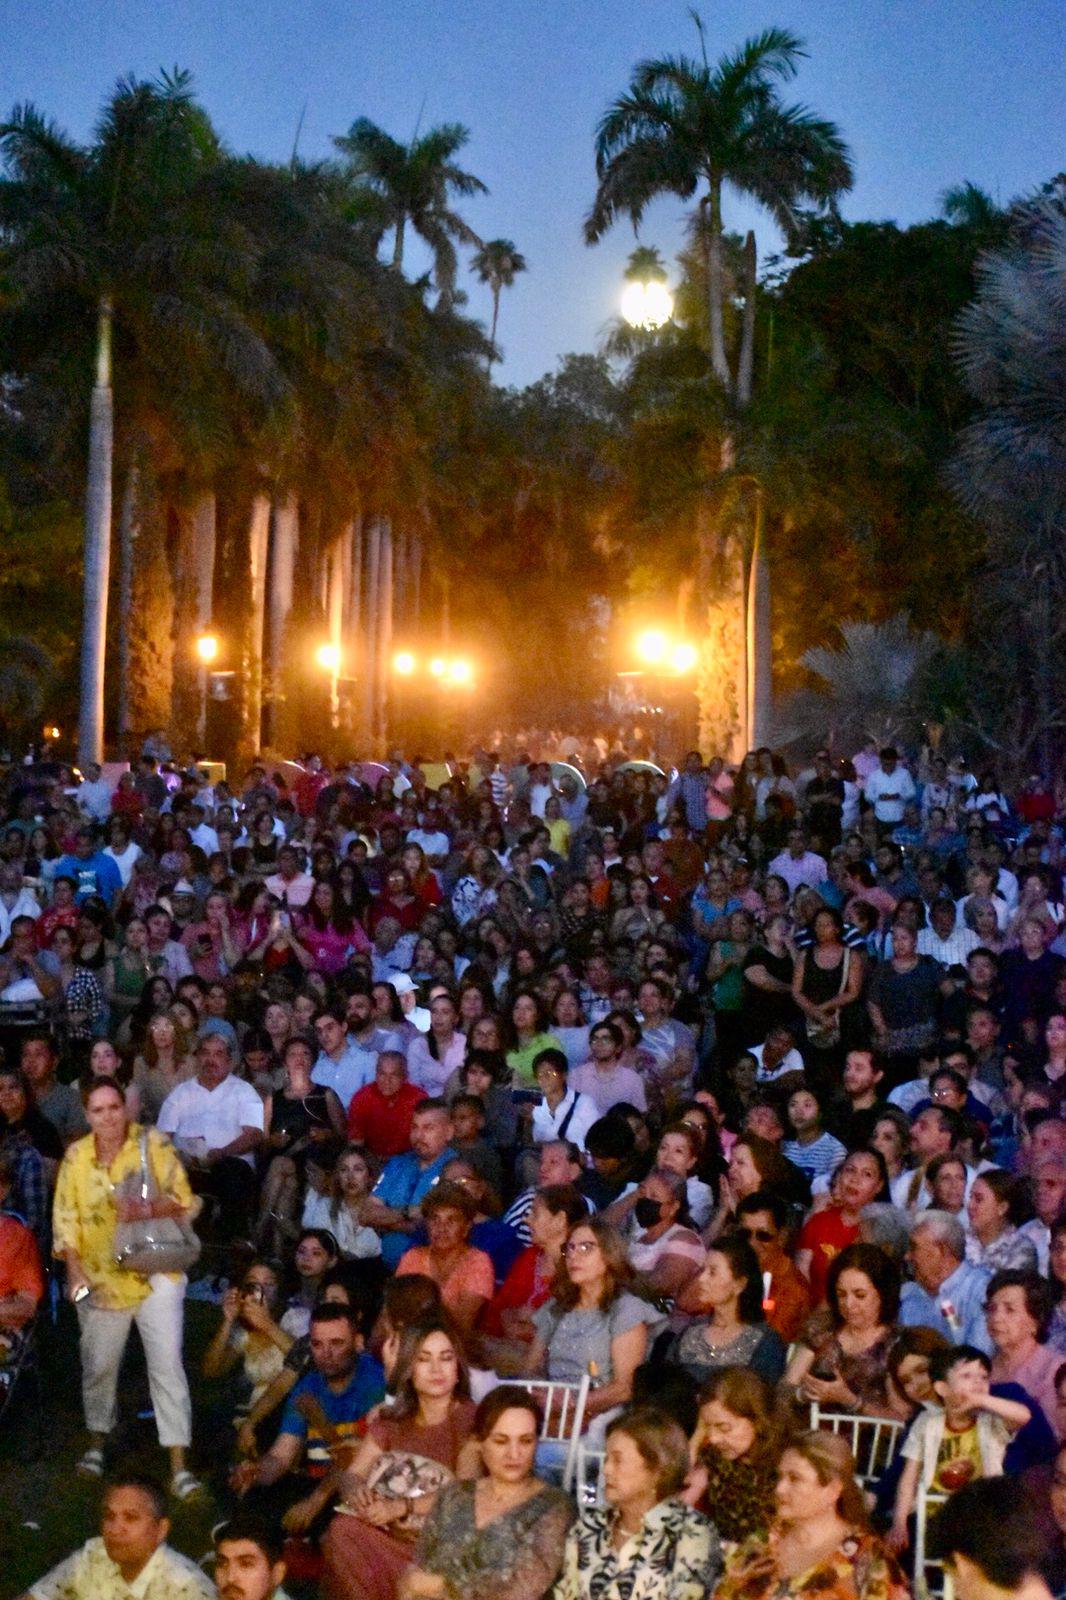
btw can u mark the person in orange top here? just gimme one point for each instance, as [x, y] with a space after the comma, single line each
[463, 1273]
[763, 1218]
[21, 1277]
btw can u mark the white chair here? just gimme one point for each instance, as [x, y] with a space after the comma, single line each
[873, 1440]
[932, 1581]
[588, 1482]
[564, 1416]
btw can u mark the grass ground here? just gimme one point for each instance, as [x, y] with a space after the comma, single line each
[46, 1510]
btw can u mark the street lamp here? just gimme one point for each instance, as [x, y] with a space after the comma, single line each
[652, 646]
[647, 304]
[328, 657]
[207, 648]
[438, 667]
[683, 657]
[460, 672]
[404, 663]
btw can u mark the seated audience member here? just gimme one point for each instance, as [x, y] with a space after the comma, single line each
[394, 1207]
[995, 1241]
[1047, 1175]
[248, 1558]
[468, 1141]
[591, 1319]
[860, 1181]
[59, 1102]
[604, 1078]
[342, 1208]
[463, 1273]
[946, 1293]
[644, 1534]
[250, 1335]
[844, 1365]
[559, 1165]
[21, 1278]
[295, 1480]
[503, 1533]
[726, 1324]
[611, 1147]
[484, 1073]
[996, 1541]
[563, 1112]
[500, 1243]
[820, 1537]
[412, 1449]
[812, 1150]
[505, 1327]
[964, 1436]
[764, 1219]
[1018, 1307]
[664, 1251]
[680, 1150]
[130, 1556]
[381, 1112]
[733, 1454]
[216, 1122]
[855, 1113]
[777, 1056]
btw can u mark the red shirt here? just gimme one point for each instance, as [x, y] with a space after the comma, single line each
[383, 1125]
[824, 1235]
[523, 1286]
[20, 1263]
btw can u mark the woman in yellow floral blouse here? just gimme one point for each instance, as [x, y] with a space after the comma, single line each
[109, 1298]
[820, 1543]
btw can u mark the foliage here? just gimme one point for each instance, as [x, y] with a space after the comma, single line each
[874, 685]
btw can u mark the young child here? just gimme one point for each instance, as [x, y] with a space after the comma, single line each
[964, 1437]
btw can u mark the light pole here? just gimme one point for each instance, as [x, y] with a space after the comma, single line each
[207, 653]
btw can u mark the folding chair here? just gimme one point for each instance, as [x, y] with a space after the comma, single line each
[932, 1581]
[564, 1416]
[873, 1440]
[24, 1372]
[588, 1482]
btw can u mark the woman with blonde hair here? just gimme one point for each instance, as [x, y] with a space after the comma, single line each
[820, 1539]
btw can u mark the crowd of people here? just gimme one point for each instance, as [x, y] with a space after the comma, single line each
[730, 1099]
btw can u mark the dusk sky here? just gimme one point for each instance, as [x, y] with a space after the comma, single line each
[927, 92]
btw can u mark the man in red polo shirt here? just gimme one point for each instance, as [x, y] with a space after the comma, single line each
[379, 1115]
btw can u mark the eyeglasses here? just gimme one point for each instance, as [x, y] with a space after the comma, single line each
[763, 1235]
[579, 1247]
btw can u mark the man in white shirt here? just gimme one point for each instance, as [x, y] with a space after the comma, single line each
[202, 833]
[93, 797]
[15, 899]
[777, 1056]
[433, 841]
[798, 865]
[216, 1122]
[889, 789]
[130, 1560]
[541, 788]
[946, 939]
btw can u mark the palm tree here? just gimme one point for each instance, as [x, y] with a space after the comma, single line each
[120, 243]
[401, 184]
[684, 127]
[497, 263]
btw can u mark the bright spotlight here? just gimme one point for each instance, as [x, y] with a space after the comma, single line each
[652, 645]
[647, 305]
[683, 657]
[461, 672]
[403, 662]
[438, 667]
[207, 648]
[328, 657]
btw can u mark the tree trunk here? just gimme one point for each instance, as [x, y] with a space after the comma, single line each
[715, 289]
[258, 551]
[335, 621]
[759, 641]
[282, 571]
[495, 322]
[445, 608]
[370, 629]
[416, 581]
[397, 251]
[127, 536]
[97, 547]
[384, 634]
[203, 571]
[354, 627]
[150, 623]
[745, 365]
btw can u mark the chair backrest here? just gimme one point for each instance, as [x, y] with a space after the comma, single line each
[874, 1441]
[932, 1581]
[564, 1415]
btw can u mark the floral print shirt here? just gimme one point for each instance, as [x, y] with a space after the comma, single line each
[676, 1555]
[860, 1568]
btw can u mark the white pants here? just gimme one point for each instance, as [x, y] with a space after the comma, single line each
[104, 1334]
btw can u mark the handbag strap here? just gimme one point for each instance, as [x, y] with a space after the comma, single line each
[145, 1174]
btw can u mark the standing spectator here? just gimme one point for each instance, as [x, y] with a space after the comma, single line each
[889, 789]
[109, 1298]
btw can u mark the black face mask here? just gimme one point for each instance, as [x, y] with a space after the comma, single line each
[648, 1212]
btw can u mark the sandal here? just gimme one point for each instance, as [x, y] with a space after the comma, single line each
[183, 1486]
[91, 1464]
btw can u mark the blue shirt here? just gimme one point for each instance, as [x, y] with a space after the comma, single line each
[344, 1408]
[98, 875]
[964, 1290]
[356, 1067]
[404, 1182]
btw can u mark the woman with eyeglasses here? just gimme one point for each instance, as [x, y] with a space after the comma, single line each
[592, 1323]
